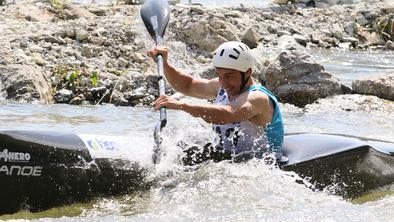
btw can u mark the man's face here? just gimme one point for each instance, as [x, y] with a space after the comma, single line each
[230, 80]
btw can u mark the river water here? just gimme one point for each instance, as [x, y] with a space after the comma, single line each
[222, 191]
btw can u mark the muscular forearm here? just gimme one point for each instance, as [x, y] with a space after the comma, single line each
[210, 113]
[178, 80]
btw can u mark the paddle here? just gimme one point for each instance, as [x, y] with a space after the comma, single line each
[156, 14]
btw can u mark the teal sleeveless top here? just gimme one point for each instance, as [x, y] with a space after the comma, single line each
[239, 137]
[275, 130]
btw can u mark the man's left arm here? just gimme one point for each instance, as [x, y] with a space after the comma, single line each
[244, 108]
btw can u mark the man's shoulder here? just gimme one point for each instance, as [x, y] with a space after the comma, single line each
[257, 95]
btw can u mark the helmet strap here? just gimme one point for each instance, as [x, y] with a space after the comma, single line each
[244, 81]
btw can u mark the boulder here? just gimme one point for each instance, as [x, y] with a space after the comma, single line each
[295, 78]
[25, 83]
[250, 38]
[351, 28]
[381, 86]
[206, 34]
[389, 45]
[64, 96]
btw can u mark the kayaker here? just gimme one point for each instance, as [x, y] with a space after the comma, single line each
[246, 115]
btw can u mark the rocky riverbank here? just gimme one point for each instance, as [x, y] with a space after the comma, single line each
[91, 54]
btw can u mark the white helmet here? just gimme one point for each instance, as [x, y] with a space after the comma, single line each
[233, 55]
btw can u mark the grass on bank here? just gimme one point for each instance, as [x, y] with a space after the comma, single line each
[59, 4]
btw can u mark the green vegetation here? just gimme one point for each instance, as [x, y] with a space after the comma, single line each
[116, 71]
[385, 27]
[75, 78]
[59, 4]
[94, 78]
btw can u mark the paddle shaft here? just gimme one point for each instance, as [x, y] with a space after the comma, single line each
[162, 88]
[157, 152]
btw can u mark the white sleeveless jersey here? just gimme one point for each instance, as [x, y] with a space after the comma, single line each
[239, 136]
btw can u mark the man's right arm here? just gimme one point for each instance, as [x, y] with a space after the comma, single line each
[184, 83]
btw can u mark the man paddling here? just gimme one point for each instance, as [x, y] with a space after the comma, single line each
[246, 116]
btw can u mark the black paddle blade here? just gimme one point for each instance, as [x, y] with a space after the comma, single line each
[155, 14]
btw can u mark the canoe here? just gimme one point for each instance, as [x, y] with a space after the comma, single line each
[40, 169]
[350, 165]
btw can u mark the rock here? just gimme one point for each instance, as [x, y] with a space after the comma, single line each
[381, 86]
[350, 39]
[317, 37]
[268, 15]
[97, 40]
[81, 35]
[100, 94]
[35, 48]
[69, 41]
[233, 14]
[288, 42]
[108, 42]
[98, 90]
[117, 98]
[138, 57]
[63, 96]
[70, 33]
[84, 82]
[294, 78]
[346, 2]
[250, 38]
[4, 61]
[86, 51]
[370, 15]
[197, 10]
[123, 63]
[25, 83]
[301, 39]
[351, 28]
[37, 58]
[206, 73]
[331, 41]
[98, 11]
[283, 32]
[361, 20]
[206, 34]
[75, 11]
[23, 44]
[202, 59]
[78, 56]
[281, 2]
[76, 101]
[337, 31]
[388, 8]
[52, 39]
[389, 45]
[21, 57]
[321, 5]
[33, 13]
[330, 2]
[133, 95]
